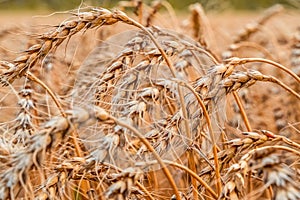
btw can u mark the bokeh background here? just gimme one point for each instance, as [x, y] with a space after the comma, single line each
[218, 5]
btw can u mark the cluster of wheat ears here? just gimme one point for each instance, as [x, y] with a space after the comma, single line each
[151, 113]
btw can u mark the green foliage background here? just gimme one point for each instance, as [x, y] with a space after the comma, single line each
[178, 4]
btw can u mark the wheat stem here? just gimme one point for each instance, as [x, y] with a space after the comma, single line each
[290, 90]
[248, 126]
[147, 193]
[192, 166]
[188, 170]
[242, 110]
[202, 182]
[215, 151]
[151, 149]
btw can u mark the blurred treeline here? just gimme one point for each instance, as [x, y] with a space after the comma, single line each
[177, 4]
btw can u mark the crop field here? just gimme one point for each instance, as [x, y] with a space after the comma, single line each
[145, 102]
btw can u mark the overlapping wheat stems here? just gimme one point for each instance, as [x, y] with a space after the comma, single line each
[247, 80]
[145, 142]
[249, 129]
[268, 161]
[188, 170]
[221, 79]
[211, 133]
[16, 169]
[87, 20]
[265, 158]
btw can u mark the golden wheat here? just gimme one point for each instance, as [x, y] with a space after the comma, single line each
[151, 113]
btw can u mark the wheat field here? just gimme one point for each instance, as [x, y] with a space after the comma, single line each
[139, 102]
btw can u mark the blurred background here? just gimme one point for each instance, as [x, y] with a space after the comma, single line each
[177, 4]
